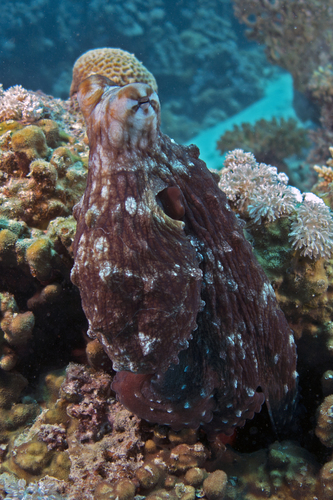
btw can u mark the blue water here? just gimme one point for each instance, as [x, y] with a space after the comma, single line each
[205, 67]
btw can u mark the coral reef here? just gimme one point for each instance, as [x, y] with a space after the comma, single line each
[294, 248]
[63, 434]
[297, 37]
[42, 166]
[116, 64]
[40, 262]
[39, 183]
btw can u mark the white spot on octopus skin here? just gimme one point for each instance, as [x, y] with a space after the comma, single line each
[146, 343]
[101, 244]
[104, 192]
[105, 271]
[130, 205]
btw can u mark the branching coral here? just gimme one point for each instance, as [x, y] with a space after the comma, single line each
[271, 141]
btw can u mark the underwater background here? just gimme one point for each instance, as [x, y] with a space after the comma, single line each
[250, 82]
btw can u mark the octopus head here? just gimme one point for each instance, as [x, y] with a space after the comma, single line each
[125, 118]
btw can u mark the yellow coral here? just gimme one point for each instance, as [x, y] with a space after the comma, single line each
[118, 65]
[38, 256]
[30, 142]
[325, 172]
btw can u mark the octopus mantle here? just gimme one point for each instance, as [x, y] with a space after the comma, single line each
[168, 283]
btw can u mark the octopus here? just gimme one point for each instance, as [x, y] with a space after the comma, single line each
[169, 284]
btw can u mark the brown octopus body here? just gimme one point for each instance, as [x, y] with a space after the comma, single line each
[168, 283]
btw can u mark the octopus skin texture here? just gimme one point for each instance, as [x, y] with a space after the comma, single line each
[168, 283]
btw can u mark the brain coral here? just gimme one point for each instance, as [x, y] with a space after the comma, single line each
[118, 65]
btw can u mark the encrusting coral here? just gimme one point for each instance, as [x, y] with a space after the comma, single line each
[39, 183]
[42, 167]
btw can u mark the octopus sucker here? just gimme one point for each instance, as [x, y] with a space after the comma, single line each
[174, 295]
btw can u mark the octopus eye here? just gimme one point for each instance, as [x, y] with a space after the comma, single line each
[172, 201]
